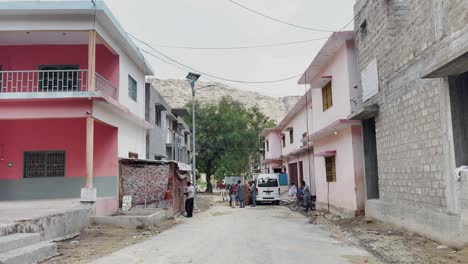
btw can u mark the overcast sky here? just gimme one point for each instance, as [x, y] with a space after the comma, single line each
[220, 23]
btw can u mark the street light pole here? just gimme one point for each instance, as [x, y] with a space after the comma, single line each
[194, 160]
[192, 78]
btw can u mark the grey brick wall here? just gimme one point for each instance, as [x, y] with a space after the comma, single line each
[410, 39]
[410, 130]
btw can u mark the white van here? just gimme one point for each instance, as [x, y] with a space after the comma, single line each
[268, 188]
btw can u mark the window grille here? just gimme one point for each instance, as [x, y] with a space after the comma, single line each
[56, 78]
[330, 168]
[40, 164]
[327, 98]
[132, 88]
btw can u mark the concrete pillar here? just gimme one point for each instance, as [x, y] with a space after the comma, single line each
[88, 193]
[92, 60]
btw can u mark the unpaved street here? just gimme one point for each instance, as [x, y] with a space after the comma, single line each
[266, 234]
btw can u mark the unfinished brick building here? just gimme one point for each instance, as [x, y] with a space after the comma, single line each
[413, 63]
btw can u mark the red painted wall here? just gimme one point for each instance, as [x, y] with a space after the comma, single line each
[17, 136]
[57, 108]
[29, 57]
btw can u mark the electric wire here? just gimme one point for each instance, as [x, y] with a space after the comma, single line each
[237, 47]
[278, 20]
[212, 75]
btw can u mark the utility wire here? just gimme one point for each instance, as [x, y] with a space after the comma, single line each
[277, 20]
[204, 73]
[238, 47]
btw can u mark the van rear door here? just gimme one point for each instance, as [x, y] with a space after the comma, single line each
[268, 188]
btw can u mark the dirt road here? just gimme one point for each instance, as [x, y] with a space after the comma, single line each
[266, 234]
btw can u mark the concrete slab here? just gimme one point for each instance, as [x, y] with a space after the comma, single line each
[51, 218]
[30, 254]
[19, 240]
[15, 211]
[135, 218]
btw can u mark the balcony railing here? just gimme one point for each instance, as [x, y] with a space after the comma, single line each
[52, 81]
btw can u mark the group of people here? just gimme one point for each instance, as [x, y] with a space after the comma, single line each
[302, 193]
[237, 194]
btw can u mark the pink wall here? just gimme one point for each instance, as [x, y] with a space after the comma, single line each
[339, 69]
[28, 57]
[348, 190]
[274, 140]
[59, 108]
[17, 136]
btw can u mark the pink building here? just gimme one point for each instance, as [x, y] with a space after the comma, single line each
[71, 101]
[286, 148]
[337, 141]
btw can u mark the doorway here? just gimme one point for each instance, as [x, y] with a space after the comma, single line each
[458, 87]
[370, 158]
[292, 167]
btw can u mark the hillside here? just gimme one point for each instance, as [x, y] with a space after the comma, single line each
[177, 93]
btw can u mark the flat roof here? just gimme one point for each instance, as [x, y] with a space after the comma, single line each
[80, 7]
[326, 54]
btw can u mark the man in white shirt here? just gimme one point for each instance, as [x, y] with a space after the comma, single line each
[190, 193]
[292, 190]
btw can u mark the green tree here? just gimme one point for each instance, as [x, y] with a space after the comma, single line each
[227, 138]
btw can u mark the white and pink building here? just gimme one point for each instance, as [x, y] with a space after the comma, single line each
[72, 88]
[318, 143]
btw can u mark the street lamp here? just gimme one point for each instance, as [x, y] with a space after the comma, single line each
[193, 78]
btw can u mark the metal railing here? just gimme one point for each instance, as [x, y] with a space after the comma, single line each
[106, 88]
[52, 81]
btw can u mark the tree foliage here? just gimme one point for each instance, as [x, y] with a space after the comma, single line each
[227, 138]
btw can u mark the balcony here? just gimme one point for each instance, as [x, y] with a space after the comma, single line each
[52, 84]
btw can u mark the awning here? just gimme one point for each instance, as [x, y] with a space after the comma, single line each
[329, 153]
[336, 126]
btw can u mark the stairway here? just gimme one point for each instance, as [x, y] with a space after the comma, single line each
[25, 248]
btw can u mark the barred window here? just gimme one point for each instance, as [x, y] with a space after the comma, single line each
[327, 98]
[330, 168]
[40, 164]
[132, 88]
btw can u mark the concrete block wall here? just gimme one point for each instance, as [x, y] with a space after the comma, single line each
[413, 125]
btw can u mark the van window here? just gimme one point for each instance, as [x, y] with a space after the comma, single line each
[268, 183]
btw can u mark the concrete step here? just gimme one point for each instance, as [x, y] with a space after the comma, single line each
[18, 240]
[30, 254]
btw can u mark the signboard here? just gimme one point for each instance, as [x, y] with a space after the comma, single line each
[370, 80]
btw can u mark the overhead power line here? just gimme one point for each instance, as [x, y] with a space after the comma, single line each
[202, 72]
[240, 47]
[278, 20]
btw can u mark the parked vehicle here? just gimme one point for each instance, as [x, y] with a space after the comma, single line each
[268, 188]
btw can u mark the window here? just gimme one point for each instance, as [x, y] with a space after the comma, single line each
[304, 139]
[267, 182]
[1, 78]
[133, 155]
[40, 164]
[267, 145]
[327, 100]
[57, 78]
[330, 168]
[157, 118]
[291, 136]
[132, 88]
[283, 140]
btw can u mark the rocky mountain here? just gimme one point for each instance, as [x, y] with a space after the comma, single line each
[177, 93]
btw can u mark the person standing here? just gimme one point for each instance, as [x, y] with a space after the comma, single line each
[307, 195]
[232, 194]
[190, 193]
[253, 194]
[240, 194]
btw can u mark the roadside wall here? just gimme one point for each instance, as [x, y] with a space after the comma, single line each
[144, 182]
